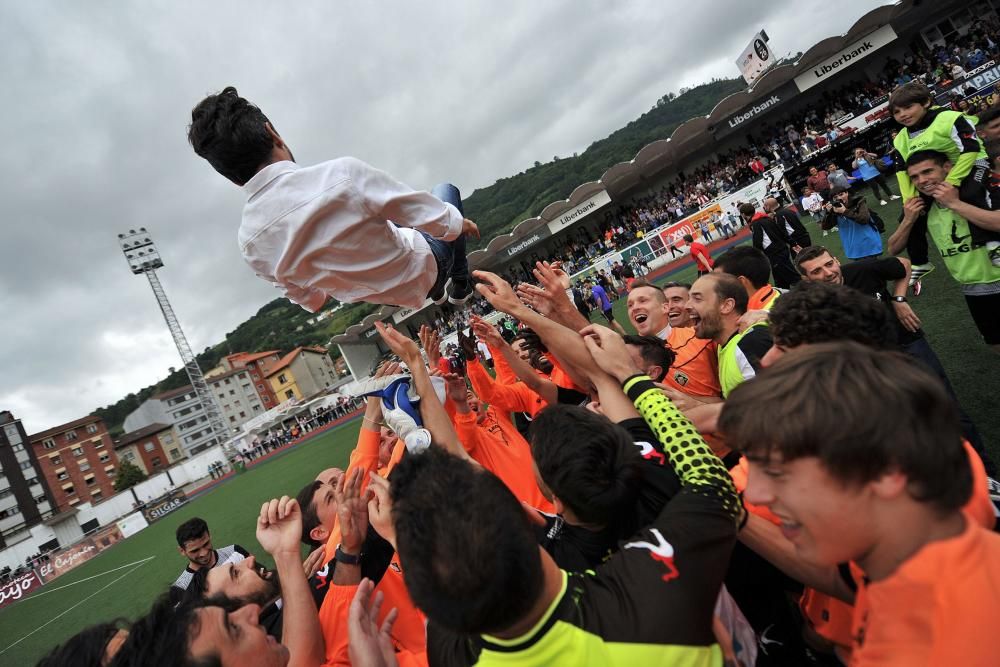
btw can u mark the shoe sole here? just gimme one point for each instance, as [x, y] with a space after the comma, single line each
[441, 300]
[460, 301]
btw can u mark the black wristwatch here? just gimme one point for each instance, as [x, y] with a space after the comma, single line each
[345, 558]
[899, 299]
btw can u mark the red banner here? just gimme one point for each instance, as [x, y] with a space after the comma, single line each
[62, 561]
[19, 587]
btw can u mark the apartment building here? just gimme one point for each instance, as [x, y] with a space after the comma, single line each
[77, 460]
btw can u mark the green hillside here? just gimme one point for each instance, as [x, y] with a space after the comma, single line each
[281, 325]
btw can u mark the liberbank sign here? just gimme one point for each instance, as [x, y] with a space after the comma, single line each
[845, 57]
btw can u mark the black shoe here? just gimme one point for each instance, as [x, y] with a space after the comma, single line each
[440, 295]
[459, 292]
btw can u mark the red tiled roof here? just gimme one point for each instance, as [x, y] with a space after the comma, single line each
[144, 432]
[288, 358]
[82, 421]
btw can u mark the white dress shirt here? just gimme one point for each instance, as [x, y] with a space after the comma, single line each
[343, 229]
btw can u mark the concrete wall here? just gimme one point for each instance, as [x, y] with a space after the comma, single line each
[114, 508]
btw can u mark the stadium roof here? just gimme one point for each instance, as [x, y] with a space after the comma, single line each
[689, 137]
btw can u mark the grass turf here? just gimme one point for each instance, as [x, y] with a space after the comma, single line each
[231, 508]
[54, 613]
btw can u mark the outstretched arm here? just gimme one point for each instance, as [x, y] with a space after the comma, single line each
[545, 388]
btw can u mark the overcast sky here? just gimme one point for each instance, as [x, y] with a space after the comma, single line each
[99, 95]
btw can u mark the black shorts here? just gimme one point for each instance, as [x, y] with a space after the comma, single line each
[985, 311]
[609, 315]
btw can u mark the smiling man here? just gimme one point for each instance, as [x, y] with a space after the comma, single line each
[195, 543]
[872, 514]
[647, 310]
[716, 304]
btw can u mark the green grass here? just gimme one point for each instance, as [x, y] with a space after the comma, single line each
[230, 510]
[949, 328]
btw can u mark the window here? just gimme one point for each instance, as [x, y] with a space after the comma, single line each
[70, 436]
[99, 444]
[25, 465]
[243, 415]
[18, 447]
[222, 396]
[41, 499]
[246, 388]
[55, 460]
[7, 513]
[73, 501]
[96, 494]
[4, 493]
[104, 457]
[84, 465]
[260, 387]
[156, 462]
[91, 428]
[89, 479]
[289, 394]
[61, 475]
[149, 446]
[68, 488]
[232, 420]
[232, 392]
[78, 451]
[174, 454]
[33, 481]
[48, 443]
[166, 438]
[282, 379]
[227, 381]
[256, 408]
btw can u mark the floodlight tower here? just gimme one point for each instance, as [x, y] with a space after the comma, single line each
[143, 257]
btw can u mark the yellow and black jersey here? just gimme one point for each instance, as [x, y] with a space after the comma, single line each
[652, 602]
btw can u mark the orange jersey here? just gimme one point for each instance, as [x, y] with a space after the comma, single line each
[561, 378]
[696, 364]
[763, 299]
[497, 446]
[938, 608]
[333, 623]
[506, 398]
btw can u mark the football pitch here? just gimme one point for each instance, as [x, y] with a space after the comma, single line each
[123, 581]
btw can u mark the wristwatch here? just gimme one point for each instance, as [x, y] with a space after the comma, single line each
[345, 558]
[899, 299]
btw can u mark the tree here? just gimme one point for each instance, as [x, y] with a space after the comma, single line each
[128, 476]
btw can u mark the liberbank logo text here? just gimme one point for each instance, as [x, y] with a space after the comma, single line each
[845, 58]
[753, 111]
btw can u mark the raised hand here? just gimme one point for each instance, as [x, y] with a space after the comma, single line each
[486, 332]
[405, 348]
[380, 508]
[279, 526]
[535, 298]
[314, 561]
[457, 389]
[467, 343]
[551, 276]
[498, 292]
[352, 511]
[609, 351]
[430, 340]
[369, 645]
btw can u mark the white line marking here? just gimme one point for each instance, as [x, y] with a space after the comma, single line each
[45, 591]
[60, 615]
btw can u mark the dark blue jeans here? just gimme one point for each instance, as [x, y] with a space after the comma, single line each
[449, 255]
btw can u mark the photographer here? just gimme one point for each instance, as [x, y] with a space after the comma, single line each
[859, 227]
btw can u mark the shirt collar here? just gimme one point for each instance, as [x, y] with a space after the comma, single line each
[268, 174]
[664, 333]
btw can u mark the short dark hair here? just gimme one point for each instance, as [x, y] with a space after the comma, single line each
[310, 519]
[813, 392]
[643, 283]
[86, 647]
[728, 287]
[989, 115]
[913, 92]
[230, 133]
[191, 529]
[747, 210]
[588, 462]
[653, 351]
[816, 312]
[992, 147]
[162, 638]
[472, 559]
[808, 254]
[748, 262]
[673, 283]
[937, 157]
[689, 238]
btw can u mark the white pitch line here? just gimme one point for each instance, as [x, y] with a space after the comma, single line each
[45, 590]
[58, 616]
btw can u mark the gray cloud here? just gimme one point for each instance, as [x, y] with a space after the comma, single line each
[99, 94]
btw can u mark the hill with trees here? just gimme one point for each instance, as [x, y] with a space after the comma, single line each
[282, 325]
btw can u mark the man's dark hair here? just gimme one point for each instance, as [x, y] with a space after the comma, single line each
[672, 283]
[688, 238]
[643, 283]
[913, 92]
[588, 462]
[86, 648]
[992, 147]
[808, 254]
[728, 287]
[162, 638]
[747, 210]
[191, 529]
[230, 133]
[936, 157]
[653, 352]
[748, 262]
[310, 519]
[989, 115]
[815, 312]
[472, 559]
[812, 393]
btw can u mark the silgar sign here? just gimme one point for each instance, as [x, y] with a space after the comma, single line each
[164, 506]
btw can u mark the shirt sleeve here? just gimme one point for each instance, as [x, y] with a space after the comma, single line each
[385, 197]
[969, 146]
[333, 623]
[515, 397]
[888, 268]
